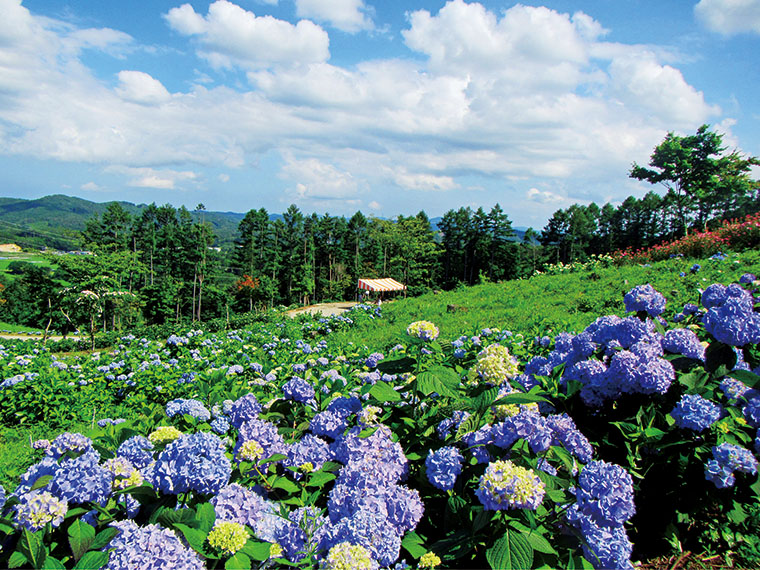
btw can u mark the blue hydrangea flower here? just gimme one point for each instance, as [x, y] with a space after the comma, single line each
[728, 458]
[735, 390]
[606, 546]
[38, 508]
[309, 449]
[263, 433]
[566, 434]
[220, 425]
[734, 322]
[747, 278]
[191, 407]
[149, 547]
[245, 408]
[194, 462]
[443, 466]
[138, 450]
[82, 479]
[685, 342]
[373, 360]
[298, 389]
[644, 298]
[696, 413]
[604, 494]
[445, 427]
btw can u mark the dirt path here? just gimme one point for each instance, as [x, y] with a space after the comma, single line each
[326, 309]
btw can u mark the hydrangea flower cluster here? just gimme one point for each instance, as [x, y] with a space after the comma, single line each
[611, 357]
[443, 466]
[194, 462]
[505, 485]
[696, 413]
[373, 360]
[730, 316]
[495, 365]
[191, 407]
[298, 390]
[644, 298]
[347, 556]
[685, 342]
[37, 509]
[423, 330]
[227, 536]
[727, 459]
[149, 547]
[604, 502]
[164, 434]
[367, 505]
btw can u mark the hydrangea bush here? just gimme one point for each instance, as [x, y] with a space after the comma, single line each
[269, 448]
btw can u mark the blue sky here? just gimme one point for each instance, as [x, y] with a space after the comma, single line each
[385, 107]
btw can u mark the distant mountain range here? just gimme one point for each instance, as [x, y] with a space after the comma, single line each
[56, 221]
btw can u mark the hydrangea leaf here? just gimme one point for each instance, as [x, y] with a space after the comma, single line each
[413, 544]
[442, 380]
[92, 559]
[103, 538]
[383, 392]
[238, 561]
[81, 536]
[257, 550]
[511, 551]
[32, 548]
[53, 564]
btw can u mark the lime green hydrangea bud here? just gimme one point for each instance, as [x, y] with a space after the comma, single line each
[495, 364]
[429, 560]
[229, 537]
[347, 556]
[164, 434]
[307, 467]
[275, 551]
[251, 451]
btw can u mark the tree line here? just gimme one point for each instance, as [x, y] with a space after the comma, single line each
[161, 266]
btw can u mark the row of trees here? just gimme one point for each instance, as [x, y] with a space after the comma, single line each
[703, 184]
[161, 266]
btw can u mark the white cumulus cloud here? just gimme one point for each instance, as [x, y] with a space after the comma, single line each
[729, 17]
[230, 35]
[347, 15]
[140, 87]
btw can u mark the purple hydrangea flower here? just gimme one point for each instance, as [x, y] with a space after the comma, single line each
[604, 494]
[235, 503]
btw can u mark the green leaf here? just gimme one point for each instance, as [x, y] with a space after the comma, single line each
[285, 484]
[41, 482]
[257, 550]
[511, 551]
[103, 538]
[53, 564]
[92, 560]
[81, 536]
[319, 478]
[539, 543]
[472, 423]
[718, 355]
[750, 379]
[238, 561]
[17, 560]
[170, 517]
[31, 546]
[194, 536]
[384, 392]
[439, 379]
[413, 544]
[519, 398]
[272, 458]
[205, 516]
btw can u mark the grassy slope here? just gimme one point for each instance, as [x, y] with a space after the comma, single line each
[549, 304]
[542, 305]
